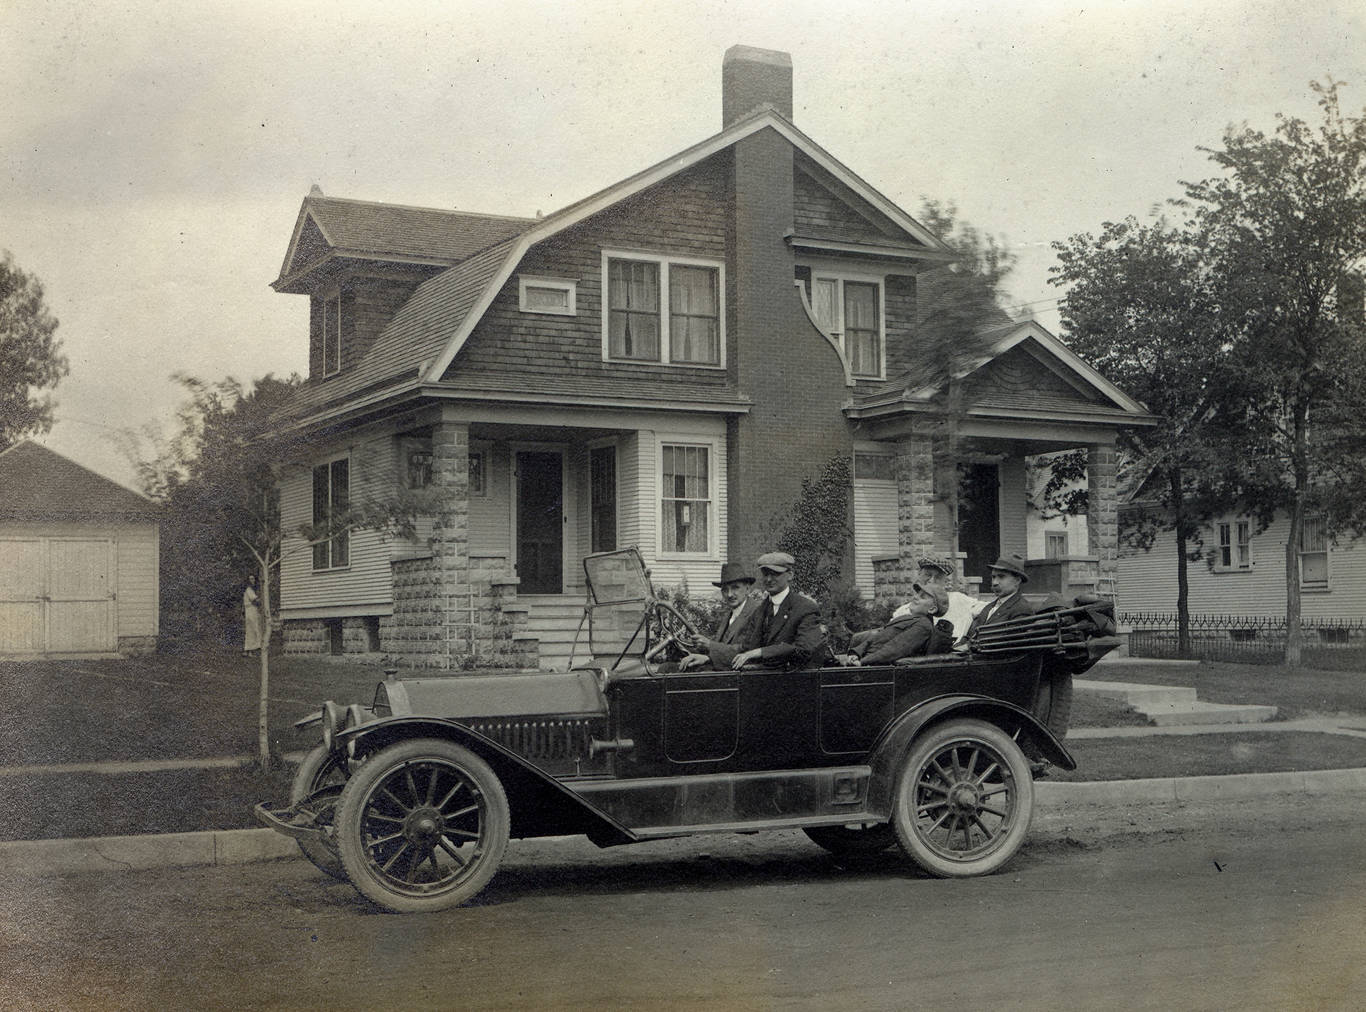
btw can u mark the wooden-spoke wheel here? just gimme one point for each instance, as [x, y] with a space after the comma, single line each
[422, 826]
[964, 799]
[320, 777]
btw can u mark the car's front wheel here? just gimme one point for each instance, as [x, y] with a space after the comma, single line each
[422, 826]
[321, 775]
[964, 799]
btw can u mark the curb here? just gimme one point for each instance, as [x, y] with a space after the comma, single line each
[246, 846]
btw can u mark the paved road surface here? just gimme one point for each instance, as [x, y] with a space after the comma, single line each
[1230, 905]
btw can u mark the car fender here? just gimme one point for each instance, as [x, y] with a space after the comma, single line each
[540, 805]
[888, 752]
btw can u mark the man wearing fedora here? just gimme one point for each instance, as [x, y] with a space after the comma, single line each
[741, 608]
[1007, 577]
[787, 631]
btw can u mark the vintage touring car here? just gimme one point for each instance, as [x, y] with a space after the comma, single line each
[414, 797]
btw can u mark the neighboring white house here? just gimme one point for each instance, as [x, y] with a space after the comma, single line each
[78, 560]
[1242, 573]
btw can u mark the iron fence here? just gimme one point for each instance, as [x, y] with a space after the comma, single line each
[1247, 639]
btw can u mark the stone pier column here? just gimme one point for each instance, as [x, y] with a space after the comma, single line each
[1102, 510]
[915, 507]
[450, 540]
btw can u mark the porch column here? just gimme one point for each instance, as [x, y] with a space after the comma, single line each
[915, 509]
[1102, 509]
[450, 540]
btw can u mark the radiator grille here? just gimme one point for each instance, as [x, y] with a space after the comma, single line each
[539, 739]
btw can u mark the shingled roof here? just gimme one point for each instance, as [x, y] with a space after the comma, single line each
[361, 228]
[38, 484]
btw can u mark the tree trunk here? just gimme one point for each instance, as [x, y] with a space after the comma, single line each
[1294, 634]
[262, 721]
[1181, 527]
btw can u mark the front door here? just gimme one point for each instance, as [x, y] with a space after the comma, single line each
[979, 518]
[540, 522]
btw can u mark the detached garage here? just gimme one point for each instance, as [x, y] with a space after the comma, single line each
[78, 560]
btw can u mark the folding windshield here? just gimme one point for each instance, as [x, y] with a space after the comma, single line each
[618, 590]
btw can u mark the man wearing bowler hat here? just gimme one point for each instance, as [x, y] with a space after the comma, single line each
[735, 585]
[1007, 577]
[787, 631]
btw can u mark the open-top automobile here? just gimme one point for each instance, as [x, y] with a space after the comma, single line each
[414, 797]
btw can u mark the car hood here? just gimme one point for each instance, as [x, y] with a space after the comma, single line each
[514, 694]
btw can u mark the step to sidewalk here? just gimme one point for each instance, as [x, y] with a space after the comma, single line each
[1173, 705]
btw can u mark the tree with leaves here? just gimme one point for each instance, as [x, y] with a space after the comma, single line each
[1284, 232]
[1142, 308]
[959, 314]
[31, 360]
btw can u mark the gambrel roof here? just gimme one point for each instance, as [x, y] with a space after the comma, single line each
[422, 340]
[39, 484]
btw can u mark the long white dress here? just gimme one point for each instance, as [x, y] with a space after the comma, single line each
[251, 619]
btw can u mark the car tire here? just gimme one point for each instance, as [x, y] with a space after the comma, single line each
[964, 799]
[853, 840]
[422, 826]
[320, 769]
[1053, 701]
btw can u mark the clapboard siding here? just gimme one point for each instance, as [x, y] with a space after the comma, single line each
[875, 528]
[1147, 580]
[366, 581]
[696, 574]
[490, 521]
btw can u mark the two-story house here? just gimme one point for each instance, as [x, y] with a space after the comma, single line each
[659, 365]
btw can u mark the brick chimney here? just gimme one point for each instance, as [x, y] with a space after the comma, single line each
[755, 79]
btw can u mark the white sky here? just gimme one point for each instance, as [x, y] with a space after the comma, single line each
[153, 156]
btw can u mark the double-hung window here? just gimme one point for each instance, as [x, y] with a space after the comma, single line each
[849, 309]
[686, 499]
[662, 310]
[1235, 545]
[331, 494]
[1314, 553]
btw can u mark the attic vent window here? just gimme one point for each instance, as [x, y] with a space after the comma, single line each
[553, 296]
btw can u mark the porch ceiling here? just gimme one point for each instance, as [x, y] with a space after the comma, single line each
[503, 432]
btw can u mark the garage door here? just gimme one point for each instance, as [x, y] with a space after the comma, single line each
[56, 595]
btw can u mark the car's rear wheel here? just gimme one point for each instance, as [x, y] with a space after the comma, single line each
[862, 838]
[963, 800]
[321, 771]
[422, 826]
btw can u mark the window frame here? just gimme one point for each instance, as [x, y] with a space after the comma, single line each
[1051, 538]
[1233, 540]
[330, 300]
[663, 262]
[593, 502]
[569, 286]
[1316, 586]
[481, 490]
[838, 332]
[344, 537]
[712, 500]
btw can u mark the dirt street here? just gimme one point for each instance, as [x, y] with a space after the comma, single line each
[1250, 904]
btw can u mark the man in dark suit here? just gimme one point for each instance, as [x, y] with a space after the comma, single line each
[1007, 577]
[787, 631]
[735, 585]
[909, 633]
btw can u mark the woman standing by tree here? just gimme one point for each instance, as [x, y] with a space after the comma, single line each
[252, 624]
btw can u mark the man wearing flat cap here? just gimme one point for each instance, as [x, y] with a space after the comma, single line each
[939, 571]
[735, 585]
[787, 631]
[1007, 577]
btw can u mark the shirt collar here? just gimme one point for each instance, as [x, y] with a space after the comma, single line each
[777, 599]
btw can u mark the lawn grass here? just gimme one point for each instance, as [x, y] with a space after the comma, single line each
[1307, 692]
[1200, 755]
[205, 706]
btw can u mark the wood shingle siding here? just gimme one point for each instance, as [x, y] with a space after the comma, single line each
[684, 216]
[816, 211]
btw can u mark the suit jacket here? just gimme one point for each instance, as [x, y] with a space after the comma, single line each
[906, 636]
[791, 637]
[1014, 606]
[731, 636]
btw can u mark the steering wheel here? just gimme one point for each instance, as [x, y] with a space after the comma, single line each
[669, 626]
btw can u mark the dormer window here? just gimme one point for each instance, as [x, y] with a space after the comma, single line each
[663, 309]
[332, 334]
